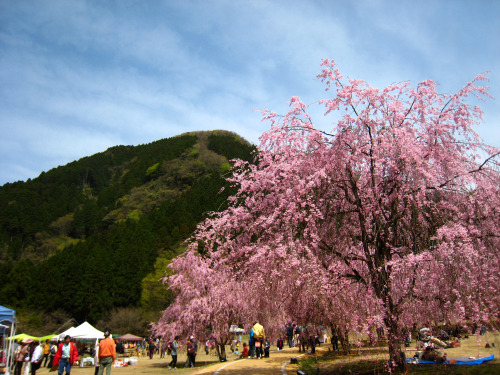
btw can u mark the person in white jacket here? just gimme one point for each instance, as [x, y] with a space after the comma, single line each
[27, 361]
[36, 358]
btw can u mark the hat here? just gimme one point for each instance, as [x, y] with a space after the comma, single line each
[191, 338]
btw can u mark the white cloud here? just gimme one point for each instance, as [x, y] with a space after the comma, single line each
[79, 77]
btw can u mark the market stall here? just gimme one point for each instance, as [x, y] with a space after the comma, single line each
[22, 336]
[127, 344]
[84, 331]
[8, 322]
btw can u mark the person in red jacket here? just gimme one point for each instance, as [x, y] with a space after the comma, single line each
[245, 351]
[66, 356]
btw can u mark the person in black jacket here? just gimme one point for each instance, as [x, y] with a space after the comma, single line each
[191, 352]
[151, 349]
[267, 346]
[289, 334]
[279, 344]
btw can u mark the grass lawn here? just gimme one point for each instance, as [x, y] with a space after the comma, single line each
[373, 360]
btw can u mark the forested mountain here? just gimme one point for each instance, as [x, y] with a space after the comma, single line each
[97, 233]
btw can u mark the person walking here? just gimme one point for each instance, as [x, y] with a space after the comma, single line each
[66, 356]
[191, 352]
[107, 353]
[207, 347]
[279, 344]
[46, 353]
[195, 344]
[173, 352]
[251, 343]
[312, 342]
[21, 355]
[289, 334]
[163, 349]
[151, 349]
[296, 334]
[260, 336]
[267, 348]
[27, 360]
[53, 351]
[36, 358]
[335, 340]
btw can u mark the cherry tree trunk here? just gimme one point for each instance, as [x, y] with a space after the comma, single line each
[396, 356]
[221, 352]
[343, 335]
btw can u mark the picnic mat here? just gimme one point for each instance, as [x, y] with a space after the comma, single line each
[459, 360]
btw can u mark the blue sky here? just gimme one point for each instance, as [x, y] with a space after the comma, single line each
[77, 77]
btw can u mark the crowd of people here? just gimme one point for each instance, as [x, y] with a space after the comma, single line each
[305, 338]
[30, 355]
[171, 348]
[429, 343]
[257, 342]
[258, 346]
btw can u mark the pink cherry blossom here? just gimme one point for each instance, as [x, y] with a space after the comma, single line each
[387, 219]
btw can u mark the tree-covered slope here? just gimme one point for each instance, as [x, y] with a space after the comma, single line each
[82, 237]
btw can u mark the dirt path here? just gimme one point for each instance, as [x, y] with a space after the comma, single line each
[266, 366]
[206, 365]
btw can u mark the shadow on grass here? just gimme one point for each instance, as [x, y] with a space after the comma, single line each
[378, 367]
[327, 366]
[181, 364]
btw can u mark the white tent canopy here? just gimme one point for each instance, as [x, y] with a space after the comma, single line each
[83, 331]
[68, 332]
[236, 329]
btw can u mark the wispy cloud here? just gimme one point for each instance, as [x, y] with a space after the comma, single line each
[78, 77]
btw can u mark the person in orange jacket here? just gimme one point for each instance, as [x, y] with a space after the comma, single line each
[66, 356]
[107, 353]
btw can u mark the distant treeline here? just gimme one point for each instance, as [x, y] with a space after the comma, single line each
[83, 237]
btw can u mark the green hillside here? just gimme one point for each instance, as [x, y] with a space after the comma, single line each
[96, 234]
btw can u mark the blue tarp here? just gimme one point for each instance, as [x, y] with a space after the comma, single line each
[461, 361]
[7, 315]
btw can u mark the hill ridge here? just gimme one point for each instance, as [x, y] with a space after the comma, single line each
[125, 206]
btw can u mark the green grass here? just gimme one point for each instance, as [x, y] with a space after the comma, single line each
[329, 363]
[378, 367]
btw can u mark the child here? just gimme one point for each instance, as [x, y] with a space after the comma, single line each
[244, 354]
[279, 344]
[267, 346]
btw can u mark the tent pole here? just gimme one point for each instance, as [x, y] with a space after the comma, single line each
[10, 347]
